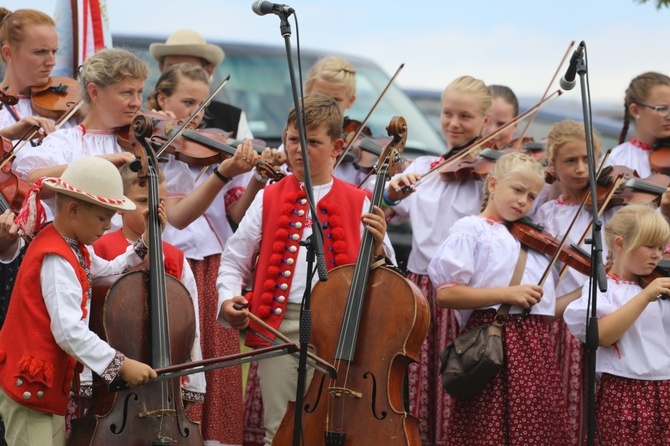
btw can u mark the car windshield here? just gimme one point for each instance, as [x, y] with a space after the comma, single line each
[260, 85]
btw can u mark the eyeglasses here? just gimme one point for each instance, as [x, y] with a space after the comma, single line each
[661, 110]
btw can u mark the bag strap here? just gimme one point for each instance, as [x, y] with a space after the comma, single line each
[501, 315]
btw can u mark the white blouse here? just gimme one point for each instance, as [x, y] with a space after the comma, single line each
[481, 253]
[631, 156]
[643, 351]
[433, 209]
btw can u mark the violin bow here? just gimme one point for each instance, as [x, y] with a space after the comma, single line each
[185, 124]
[477, 144]
[367, 118]
[32, 132]
[553, 79]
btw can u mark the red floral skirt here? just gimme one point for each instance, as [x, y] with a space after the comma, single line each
[523, 404]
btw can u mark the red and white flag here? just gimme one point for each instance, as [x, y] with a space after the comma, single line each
[83, 29]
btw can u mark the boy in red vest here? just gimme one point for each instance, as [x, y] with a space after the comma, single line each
[272, 228]
[46, 330]
[113, 244]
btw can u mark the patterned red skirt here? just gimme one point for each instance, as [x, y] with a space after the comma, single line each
[427, 399]
[632, 412]
[570, 354]
[221, 413]
[523, 404]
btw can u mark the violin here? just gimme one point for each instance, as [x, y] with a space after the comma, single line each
[478, 167]
[365, 143]
[55, 98]
[199, 148]
[659, 158]
[8, 99]
[620, 185]
[536, 237]
[12, 188]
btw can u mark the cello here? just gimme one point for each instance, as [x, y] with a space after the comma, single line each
[134, 315]
[370, 325]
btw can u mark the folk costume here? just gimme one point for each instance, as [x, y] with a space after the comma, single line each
[275, 223]
[523, 404]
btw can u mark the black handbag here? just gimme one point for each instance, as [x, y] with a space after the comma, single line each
[473, 359]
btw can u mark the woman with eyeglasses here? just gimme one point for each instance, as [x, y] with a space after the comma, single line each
[647, 104]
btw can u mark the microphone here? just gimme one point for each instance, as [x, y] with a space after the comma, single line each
[567, 82]
[262, 7]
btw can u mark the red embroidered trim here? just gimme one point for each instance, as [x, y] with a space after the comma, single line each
[642, 145]
[617, 279]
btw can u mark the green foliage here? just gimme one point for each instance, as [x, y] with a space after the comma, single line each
[659, 3]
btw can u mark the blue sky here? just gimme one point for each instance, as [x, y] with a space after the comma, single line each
[518, 43]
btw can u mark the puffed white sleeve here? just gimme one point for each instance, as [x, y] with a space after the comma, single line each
[577, 312]
[454, 261]
[52, 152]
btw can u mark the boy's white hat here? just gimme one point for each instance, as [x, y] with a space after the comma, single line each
[95, 180]
[186, 42]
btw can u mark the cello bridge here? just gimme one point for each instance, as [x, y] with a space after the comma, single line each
[342, 391]
[160, 413]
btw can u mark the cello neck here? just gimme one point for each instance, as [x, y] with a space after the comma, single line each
[346, 346]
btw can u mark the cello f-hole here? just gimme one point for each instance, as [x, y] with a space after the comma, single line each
[309, 409]
[112, 427]
[373, 400]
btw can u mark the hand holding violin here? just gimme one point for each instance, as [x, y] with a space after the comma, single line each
[243, 161]
[656, 289]
[119, 159]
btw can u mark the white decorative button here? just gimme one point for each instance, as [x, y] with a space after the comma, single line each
[286, 274]
[301, 213]
[19, 382]
[289, 262]
[281, 299]
[283, 287]
[277, 311]
[26, 395]
[40, 394]
[298, 225]
[293, 248]
[303, 201]
[295, 237]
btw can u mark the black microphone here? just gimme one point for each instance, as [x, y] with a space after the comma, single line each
[567, 82]
[262, 7]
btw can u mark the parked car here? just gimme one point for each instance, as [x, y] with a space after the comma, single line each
[607, 127]
[260, 85]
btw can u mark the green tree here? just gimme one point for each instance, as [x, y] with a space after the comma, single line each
[659, 3]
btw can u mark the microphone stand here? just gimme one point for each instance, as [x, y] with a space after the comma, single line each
[314, 243]
[598, 275]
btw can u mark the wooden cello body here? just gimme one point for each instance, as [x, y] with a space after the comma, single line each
[370, 325]
[120, 315]
[393, 327]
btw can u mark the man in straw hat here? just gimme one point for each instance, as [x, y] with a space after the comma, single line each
[46, 330]
[187, 46]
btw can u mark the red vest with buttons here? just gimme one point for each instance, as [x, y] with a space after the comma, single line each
[285, 211]
[113, 244]
[34, 371]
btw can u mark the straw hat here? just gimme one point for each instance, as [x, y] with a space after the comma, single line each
[186, 42]
[95, 180]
